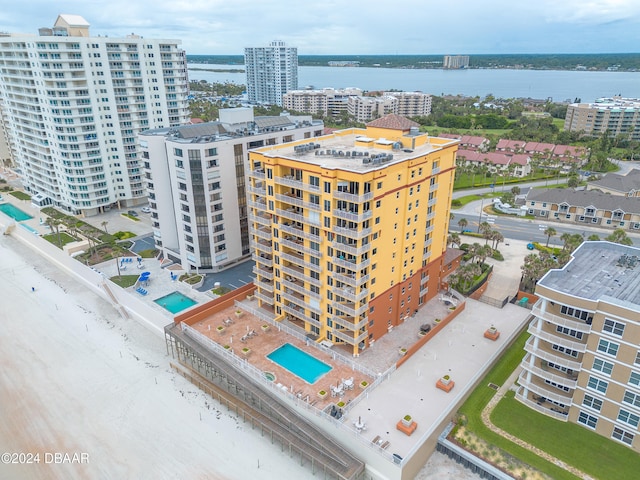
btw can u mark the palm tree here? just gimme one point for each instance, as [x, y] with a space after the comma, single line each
[54, 224]
[550, 232]
[485, 229]
[566, 240]
[104, 225]
[483, 253]
[455, 239]
[619, 236]
[462, 223]
[593, 237]
[496, 238]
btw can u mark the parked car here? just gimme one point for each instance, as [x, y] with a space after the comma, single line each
[133, 213]
[145, 210]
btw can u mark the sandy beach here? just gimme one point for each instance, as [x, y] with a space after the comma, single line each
[89, 395]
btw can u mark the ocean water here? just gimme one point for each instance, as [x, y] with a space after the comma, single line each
[559, 85]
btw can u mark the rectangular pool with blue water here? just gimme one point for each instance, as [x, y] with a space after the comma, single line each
[300, 363]
[14, 212]
[175, 302]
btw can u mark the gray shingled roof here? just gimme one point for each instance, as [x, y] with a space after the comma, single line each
[619, 183]
[585, 198]
[394, 122]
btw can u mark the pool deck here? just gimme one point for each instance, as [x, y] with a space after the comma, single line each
[459, 350]
[264, 342]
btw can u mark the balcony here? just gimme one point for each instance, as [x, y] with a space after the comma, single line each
[263, 272]
[550, 355]
[298, 231]
[350, 323]
[257, 190]
[261, 218]
[257, 173]
[265, 298]
[351, 264]
[349, 338]
[349, 293]
[352, 197]
[351, 249]
[296, 216]
[556, 338]
[539, 405]
[298, 312]
[572, 323]
[549, 373]
[291, 200]
[297, 245]
[296, 259]
[536, 385]
[353, 216]
[349, 308]
[424, 281]
[259, 205]
[290, 181]
[352, 232]
[262, 233]
[264, 246]
[299, 287]
[265, 285]
[263, 259]
[433, 187]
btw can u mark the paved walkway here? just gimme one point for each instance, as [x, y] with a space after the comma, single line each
[486, 419]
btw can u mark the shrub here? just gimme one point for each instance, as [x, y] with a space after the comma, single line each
[497, 256]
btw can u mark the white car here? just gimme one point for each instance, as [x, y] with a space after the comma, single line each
[145, 210]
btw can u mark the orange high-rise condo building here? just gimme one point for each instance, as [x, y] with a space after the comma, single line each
[349, 230]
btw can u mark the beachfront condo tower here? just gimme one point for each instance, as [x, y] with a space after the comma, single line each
[349, 230]
[74, 104]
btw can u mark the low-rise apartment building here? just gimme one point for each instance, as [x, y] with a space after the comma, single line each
[588, 207]
[583, 362]
[626, 185]
[326, 102]
[197, 187]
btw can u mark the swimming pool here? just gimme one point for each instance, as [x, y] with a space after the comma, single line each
[300, 363]
[14, 212]
[175, 302]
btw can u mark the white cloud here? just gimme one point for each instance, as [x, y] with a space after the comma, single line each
[591, 12]
[355, 27]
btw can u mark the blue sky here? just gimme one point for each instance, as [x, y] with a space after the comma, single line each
[356, 26]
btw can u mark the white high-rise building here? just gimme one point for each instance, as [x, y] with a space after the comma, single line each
[73, 106]
[271, 72]
[196, 177]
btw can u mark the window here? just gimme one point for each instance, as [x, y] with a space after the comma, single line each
[624, 437]
[592, 402]
[570, 332]
[637, 360]
[177, 152]
[631, 398]
[602, 366]
[597, 384]
[634, 378]
[628, 417]
[613, 327]
[588, 420]
[608, 347]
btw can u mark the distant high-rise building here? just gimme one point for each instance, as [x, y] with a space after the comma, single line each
[455, 61]
[271, 72]
[617, 116]
[73, 105]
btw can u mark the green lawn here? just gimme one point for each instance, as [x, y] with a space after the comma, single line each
[125, 280]
[462, 201]
[60, 241]
[593, 454]
[20, 195]
[476, 402]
